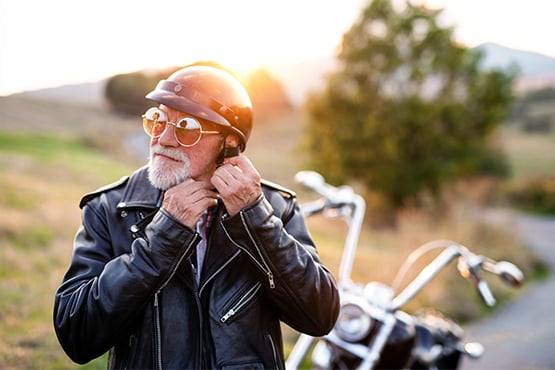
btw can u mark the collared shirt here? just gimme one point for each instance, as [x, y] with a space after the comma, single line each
[203, 228]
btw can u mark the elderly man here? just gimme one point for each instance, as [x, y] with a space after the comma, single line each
[193, 260]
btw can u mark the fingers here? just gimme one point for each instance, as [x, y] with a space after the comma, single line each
[238, 183]
[188, 200]
[237, 169]
[190, 190]
[243, 164]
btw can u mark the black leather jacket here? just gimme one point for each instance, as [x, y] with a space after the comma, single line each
[130, 289]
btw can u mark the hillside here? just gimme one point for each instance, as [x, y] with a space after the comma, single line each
[536, 71]
[86, 93]
[530, 64]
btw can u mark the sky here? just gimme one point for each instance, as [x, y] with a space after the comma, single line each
[56, 42]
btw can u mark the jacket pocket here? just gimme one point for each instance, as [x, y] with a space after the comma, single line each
[238, 305]
[122, 354]
[275, 351]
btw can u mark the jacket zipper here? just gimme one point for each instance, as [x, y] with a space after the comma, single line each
[157, 334]
[263, 266]
[242, 302]
[266, 267]
[157, 325]
[200, 352]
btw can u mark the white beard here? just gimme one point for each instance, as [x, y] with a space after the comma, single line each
[163, 176]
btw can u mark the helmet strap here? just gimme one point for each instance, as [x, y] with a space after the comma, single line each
[226, 152]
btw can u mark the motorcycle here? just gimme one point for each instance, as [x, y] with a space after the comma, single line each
[372, 331]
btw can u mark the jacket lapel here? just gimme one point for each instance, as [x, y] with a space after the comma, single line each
[219, 251]
[140, 193]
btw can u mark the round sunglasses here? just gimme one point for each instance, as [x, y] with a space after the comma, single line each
[188, 130]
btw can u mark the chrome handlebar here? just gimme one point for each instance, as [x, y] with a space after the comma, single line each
[340, 202]
[343, 202]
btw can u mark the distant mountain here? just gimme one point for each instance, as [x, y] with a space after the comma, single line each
[87, 93]
[536, 70]
[529, 63]
[299, 78]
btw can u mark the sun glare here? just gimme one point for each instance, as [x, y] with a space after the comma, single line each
[241, 35]
[269, 33]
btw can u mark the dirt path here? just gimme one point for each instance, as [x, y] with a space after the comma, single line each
[521, 335]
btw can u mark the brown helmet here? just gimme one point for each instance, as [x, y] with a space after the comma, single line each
[208, 93]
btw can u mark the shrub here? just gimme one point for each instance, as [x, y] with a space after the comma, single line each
[535, 195]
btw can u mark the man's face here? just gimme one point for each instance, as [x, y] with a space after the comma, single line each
[170, 163]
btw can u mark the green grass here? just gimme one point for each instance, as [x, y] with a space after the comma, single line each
[530, 155]
[64, 154]
[43, 178]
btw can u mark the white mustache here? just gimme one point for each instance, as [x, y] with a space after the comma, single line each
[175, 154]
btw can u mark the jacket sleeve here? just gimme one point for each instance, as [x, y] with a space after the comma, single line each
[101, 294]
[283, 251]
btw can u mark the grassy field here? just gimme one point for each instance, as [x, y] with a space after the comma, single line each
[52, 154]
[531, 155]
[43, 178]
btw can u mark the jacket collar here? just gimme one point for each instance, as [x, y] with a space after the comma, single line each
[139, 192]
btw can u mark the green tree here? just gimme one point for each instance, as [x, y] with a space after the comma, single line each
[126, 92]
[408, 109]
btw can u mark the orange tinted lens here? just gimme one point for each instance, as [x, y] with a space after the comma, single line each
[153, 128]
[188, 131]
[157, 128]
[154, 122]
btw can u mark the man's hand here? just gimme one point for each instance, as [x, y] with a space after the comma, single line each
[187, 200]
[238, 183]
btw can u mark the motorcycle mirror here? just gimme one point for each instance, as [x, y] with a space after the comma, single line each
[509, 273]
[310, 179]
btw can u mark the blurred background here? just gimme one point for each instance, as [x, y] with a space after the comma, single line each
[439, 113]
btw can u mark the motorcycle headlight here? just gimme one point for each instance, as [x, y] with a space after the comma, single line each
[353, 323]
